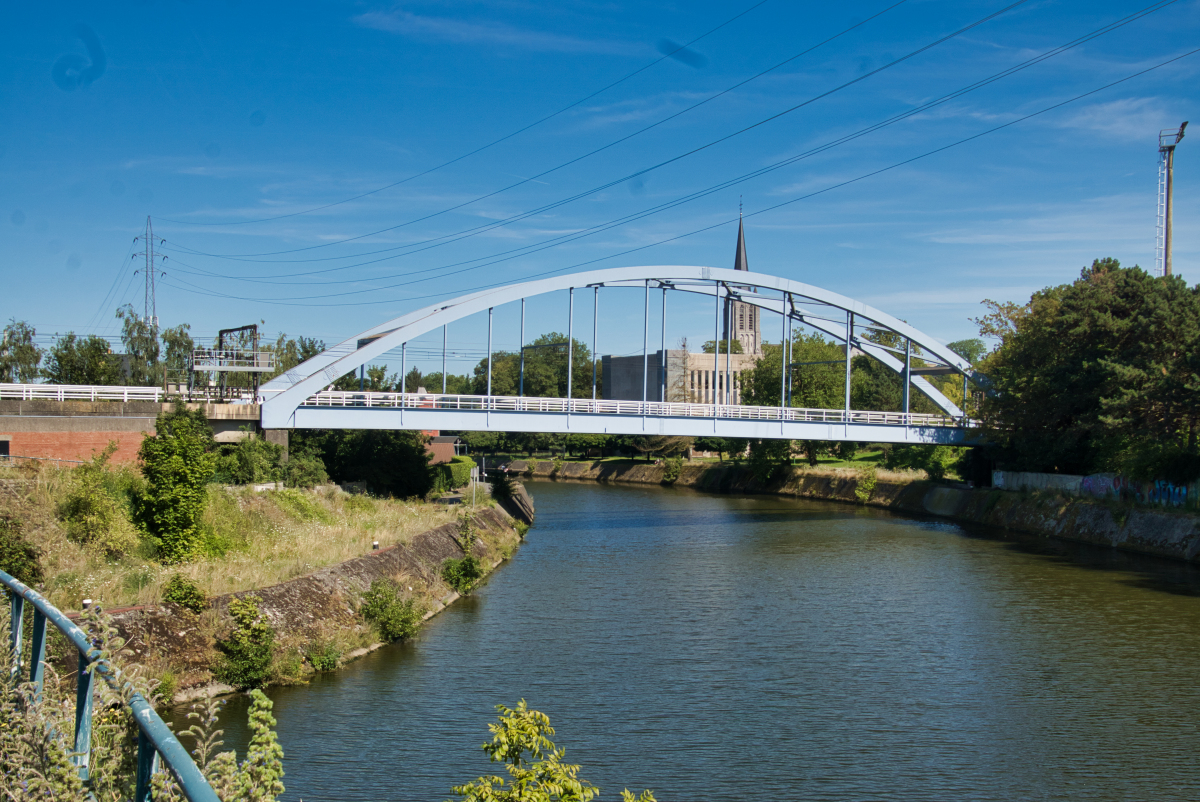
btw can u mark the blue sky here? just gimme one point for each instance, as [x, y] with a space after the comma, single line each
[214, 117]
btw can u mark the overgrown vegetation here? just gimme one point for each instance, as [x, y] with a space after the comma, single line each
[1098, 375]
[247, 651]
[93, 513]
[185, 593]
[868, 479]
[37, 729]
[385, 606]
[462, 573]
[177, 463]
[18, 557]
[535, 766]
[672, 467]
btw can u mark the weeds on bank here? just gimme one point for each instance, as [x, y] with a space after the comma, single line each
[249, 540]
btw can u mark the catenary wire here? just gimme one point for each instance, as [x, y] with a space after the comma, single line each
[756, 213]
[494, 142]
[573, 236]
[644, 129]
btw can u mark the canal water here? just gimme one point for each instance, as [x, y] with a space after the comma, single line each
[725, 648]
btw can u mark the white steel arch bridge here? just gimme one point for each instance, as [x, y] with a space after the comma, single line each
[301, 398]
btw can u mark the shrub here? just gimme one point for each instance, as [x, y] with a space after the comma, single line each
[185, 593]
[769, 459]
[250, 460]
[394, 616]
[672, 467]
[557, 463]
[934, 460]
[453, 474]
[18, 557]
[246, 654]
[867, 480]
[462, 574]
[91, 514]
[305, 471]
[177, 465]
[324, 656]
[503, 486]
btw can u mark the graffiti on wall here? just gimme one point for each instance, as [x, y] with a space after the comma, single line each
[1160, 492]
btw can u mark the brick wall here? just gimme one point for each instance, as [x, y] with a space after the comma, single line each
[72, 445]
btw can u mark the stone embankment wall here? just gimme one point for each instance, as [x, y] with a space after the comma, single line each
[1162, 533]
[308, 608]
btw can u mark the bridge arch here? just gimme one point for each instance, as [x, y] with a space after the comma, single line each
[809, 305]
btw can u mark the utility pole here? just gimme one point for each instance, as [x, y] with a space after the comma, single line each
[1168, 138]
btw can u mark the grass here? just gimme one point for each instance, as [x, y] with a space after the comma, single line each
[253, 539]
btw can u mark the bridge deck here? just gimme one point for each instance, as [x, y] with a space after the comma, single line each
[365, 410]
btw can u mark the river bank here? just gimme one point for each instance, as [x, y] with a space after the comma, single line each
[316, 614]
[1175, 535]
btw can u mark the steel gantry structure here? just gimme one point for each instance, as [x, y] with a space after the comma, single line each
[301, 398]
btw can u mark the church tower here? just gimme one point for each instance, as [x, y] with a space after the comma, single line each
[741, 321]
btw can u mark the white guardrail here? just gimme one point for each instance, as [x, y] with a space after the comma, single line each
[586, 406]
[79, 392]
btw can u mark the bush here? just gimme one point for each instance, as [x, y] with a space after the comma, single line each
[18, 557]
[185, 593]
[246, 654]
[394, 616]
[324, 657]
[934, 460]
[769, 459]
[867, 481]
[91, 514]
[503, 486]
[177, 465]
[453, 474]
[249, 461]
[462, 574]
[305, 471]
[672, 467]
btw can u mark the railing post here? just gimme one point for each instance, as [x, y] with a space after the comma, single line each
[83, 716]
[783, 364]
[716, 347]
[146, 764]
[14, 632]
[489, 365]
[37, 651]
[403, 375]
[443, 360]
[907, 375]
[645, 350]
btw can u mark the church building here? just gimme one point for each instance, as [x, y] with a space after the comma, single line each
[690, 377]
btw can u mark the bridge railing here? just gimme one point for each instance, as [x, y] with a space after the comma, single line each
[155, 739]
[79, 392]
[588, 406]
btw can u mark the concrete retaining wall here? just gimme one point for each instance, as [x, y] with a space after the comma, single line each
[1159, 532]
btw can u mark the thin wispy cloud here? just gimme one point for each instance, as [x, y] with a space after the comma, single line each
[487, 32]
[1128, 119]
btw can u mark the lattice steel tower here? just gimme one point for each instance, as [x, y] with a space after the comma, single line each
[150, 313]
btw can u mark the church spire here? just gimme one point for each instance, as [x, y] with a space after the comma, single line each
[739, 260]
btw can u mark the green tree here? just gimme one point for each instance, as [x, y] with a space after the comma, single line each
[545, 370]
[536, 771]
[140, 339]
[394, 463]
[177, 347]
[971, 350]
[177, 463]
[1100, 374]
[290, 352]
[19, 355]
[735, 346]
[247, 652]
[82, 360]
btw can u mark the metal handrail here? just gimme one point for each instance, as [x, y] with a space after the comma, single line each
[79, 392]
[587, 406]
[155, 738]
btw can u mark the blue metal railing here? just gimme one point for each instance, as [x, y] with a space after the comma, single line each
[155, 739]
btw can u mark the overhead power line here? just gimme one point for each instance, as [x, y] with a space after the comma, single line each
[494, 142]
[202, 291]
[526, 250]
[655, 124]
